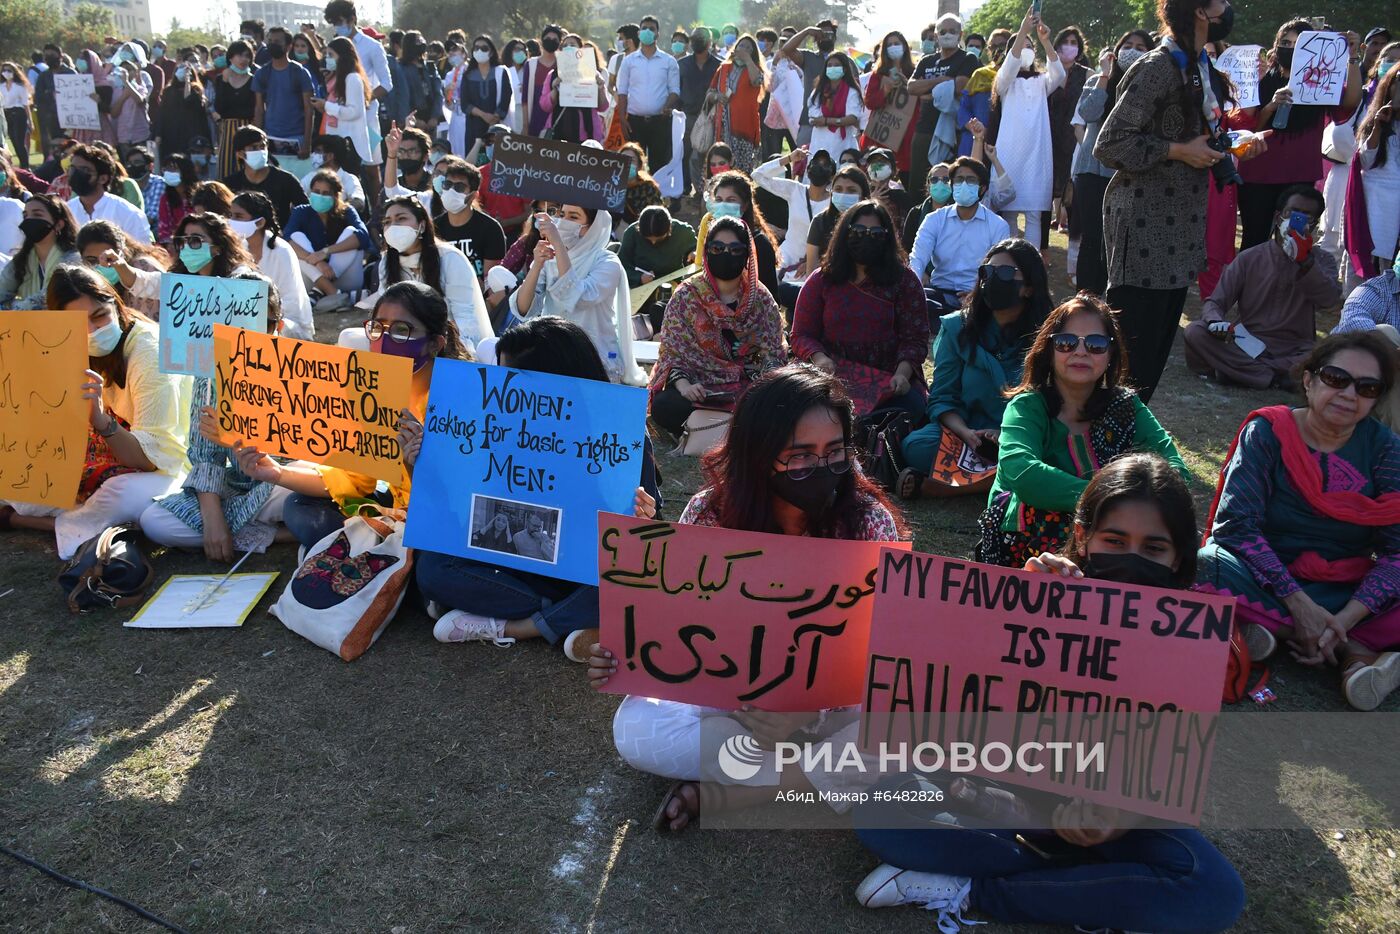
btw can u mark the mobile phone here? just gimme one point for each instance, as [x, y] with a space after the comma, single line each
[1036, 6]
[718, 398]
[988, 450]
[1298, 222]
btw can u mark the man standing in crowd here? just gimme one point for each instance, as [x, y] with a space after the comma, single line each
[283, 95]
[343, 18]
[696, 70]
[943, 61]
[648, 89]
[44, 100]
[812, 65]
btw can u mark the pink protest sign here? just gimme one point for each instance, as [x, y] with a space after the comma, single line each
[723, 618]
[1136, 670]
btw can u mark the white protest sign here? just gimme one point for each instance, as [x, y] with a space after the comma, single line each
[76, 108]
[578, 77]
[1319, 71]
[1241, 63]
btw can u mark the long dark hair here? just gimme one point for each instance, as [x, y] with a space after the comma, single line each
[71, 282]
[1302, 116]
[838, 265]
[430, 268]
[1039, 372]
[231, 255]
[1384, 89]
[495, 59]
[260, 207]
[430, 308]
[338, 218]
[347, 63]
[905, 64]
[552, 345]
[737, 471]
[825, 88]
[978, 317]
[1178, 17]
[1077, 34]
[189, 178]
[752, 214]
[65, 229]
[1138, 478]
[1116, 74]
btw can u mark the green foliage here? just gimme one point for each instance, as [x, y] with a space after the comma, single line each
[86, 27]
[519, 20]
[25, 25]
[181, 37]
[1101, 21]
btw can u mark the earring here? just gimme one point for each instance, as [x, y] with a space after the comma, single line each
[1103, 383]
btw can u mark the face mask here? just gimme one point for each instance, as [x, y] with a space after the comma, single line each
[318, 159]
[245, 229]
[550, 45]
[277, 50]
[302, 56]
[1220, 28]
[518, 57]
[834, 72]
[181, 73]
[726, 268]
[256, 159]
[1068, 53]
[1284, 57]
[343, 30]
[825, 45]
[1000, 294]
[138, 172]
[966, 194]
[1027, 59]
[200, 159]
[699, 45]
[158, 51]
[82, 182]
[720, 169]
[105, 339]
[763, 46]
[719, 209]
[110, 274]
[949, 40]
[631, 171]
[196, 259]
[238, 69]
[867, 250]
[1127, 57]
[813, 494]
[453, 201]
[929, 46]
[35, 229]
[730, 39]
[677, 48]
[975, 50]
[820, 175]
[1384, 68]
[941, 192]
[895, 52]
[879, 171]
[410, 166]
[569, 232]
[490, 152]
[1128, 569]
[400, 238]
[82, 66]
[320, 203]
[415, 348]
[844, 200]
[481, 55]
[434, 158]
[331, 61]
[647, 37]
[171, 178]
[8, 75]
[221, 61]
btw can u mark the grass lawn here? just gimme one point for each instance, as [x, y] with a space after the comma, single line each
[245, 780]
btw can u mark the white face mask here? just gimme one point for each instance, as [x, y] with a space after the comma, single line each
[1027, 59]
[453, 201]
[481, 55]
[105, 339]
[317, 159]
[949, 40]
[244, 229]
[400, 238]
[570, 232]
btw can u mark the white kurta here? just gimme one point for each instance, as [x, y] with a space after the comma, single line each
[1382, 188]
[1023, 141]
[830, 139]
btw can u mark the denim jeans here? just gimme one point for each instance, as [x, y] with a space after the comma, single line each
[1146, 880]
[557, 607]
[312, 518]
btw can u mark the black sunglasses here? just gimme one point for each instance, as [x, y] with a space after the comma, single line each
[733, 249]
[987, 272]
[860, 231]
[460, 187]
[1367, 387]
[1093, 343]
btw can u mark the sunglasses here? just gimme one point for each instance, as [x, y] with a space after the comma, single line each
[460, 187]
[732, 249]
[862, 232]
[193, 241]
[987, 272]
[1367, 387]
[1093, 343]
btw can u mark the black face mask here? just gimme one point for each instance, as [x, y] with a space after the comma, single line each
[410, 166]
[727, 267]
[277, 50]
[550, 45]
[35, 229]
[699, 45]
[813, 495]
[51, 60]
[138, 172]
[1220, 28]
[1129, 569]
[820, 174]
[826, 45]
[1000, 294]
[1284, 57]
[867, 250]
[82, 182]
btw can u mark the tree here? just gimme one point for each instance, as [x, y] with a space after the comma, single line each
[1101, 21]
[519, 20]
[182, 37]
[804, 13]
[86, 27]
[25, 25]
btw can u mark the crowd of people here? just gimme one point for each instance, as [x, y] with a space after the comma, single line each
[803, 288]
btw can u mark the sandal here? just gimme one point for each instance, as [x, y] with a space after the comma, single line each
[659, 821]
[909, 485]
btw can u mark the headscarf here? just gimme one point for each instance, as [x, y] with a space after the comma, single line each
[591, 250]
[101, 77]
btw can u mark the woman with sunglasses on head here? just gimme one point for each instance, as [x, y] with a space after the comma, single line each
[49, 233]
[412, 320]
[1071, 413]
[330, 242]
[862, 316]
[253, 218]
[574, 276]
[978, 354]
[1305, 528]
[137, 417]
[787, 467]
[108, 251]
[721, 331]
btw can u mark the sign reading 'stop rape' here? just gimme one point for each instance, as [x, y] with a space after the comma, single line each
[536, 169]
[316, 402]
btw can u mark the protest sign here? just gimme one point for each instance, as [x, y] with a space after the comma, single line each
[888, 125]
[959, 466]
[1241, 63]
[535, 169]
[190, 306]
[43, 416]
[516, 465]
[299, 399]
[195, 601]
[1141, 667]
[76, 108]
[1319, 72]
[723, 618]
[578, 77]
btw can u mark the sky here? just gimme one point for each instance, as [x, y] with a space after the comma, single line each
[888, 15]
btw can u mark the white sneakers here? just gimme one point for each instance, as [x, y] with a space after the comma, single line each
[1368, 686]
[888, 885]
[459, 626]
[1260, 641]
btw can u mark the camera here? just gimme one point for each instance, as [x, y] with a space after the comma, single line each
[1224, 171]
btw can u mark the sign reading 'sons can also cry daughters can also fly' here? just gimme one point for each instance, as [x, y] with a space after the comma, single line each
[545, 169]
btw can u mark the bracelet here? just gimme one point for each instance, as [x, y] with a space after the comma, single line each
[110, 428]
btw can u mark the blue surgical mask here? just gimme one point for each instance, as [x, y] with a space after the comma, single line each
[518, 57]
[730, 38]
[320, 203]
[238, 69]
[180, 73]
[221, 61]
[677, 48]
[647, 37]
[330, 62]
[256, 159]
[843, 201]
[343, 30]
[834, 72]
[941, 192]
[196, 259]
[1384, 68]
[105, 339]
[929, 46]
[725, 209]
[966, 194]
[171, 178]
[763, 45]
[81, 65]
[895, 52]
[490, 151]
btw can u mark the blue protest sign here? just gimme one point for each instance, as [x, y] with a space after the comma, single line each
[515, 467]
[190, 306]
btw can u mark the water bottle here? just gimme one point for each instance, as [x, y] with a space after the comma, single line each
[1281, 115]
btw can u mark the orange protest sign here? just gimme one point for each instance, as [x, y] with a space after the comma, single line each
[43, 418]
[299, 399]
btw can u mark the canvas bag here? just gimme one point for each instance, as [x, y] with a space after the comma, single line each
[350, 585]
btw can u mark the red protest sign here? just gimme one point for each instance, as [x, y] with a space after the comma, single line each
[724, 618]
[1138, 670]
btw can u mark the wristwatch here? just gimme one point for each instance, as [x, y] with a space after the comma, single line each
[110, 428]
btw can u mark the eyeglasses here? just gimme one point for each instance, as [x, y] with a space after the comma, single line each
[193, 241]
[802, 466]
[400, 332]
[460, 187]
[551, 211]
[987, 272]
[732, 249]
[1093, 343]
[862, 232]
[1367, 387]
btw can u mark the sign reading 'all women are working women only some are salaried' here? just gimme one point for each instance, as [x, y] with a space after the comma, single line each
[516, 465]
